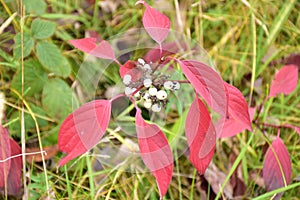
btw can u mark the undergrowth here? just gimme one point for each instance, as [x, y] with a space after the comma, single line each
[248, 41]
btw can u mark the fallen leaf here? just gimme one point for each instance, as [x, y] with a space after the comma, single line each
[216, 177]
[50, 152]
[236, 180]
[256, 177]
[293, 59]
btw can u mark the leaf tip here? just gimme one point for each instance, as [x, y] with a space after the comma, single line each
[63, 161]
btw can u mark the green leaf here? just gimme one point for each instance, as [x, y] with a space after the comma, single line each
[42, 29]
[35, 78]
[52, 59]
[35, 6]
[57, 98]
[15, 128]
[28, 45]
[66, 69]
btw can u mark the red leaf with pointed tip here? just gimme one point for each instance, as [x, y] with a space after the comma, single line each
[207, 83]
[88, 45]
[85, 44]
[285, 81]
[277, 167]
[104, 50]
[14, 181]
[83, 129]
[130, 68]
[156, 24]
[155, 152]
[5, 152]
[201, 135]
[237, 119]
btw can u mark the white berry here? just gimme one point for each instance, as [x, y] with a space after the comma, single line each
[146, 96]
[156, 107]
[153, 91]
[147, 104]
[176, 86]
[161, 95]
[141, 61]
[137, 94]
[168, 85]
[128, 91]
[126, 79]
[147, 66]
[147, 82]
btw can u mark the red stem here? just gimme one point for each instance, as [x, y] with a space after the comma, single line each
[181, 81]
[270, 125]
[116, 61]
[138, 89]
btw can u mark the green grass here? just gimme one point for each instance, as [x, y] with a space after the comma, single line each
[243, 38]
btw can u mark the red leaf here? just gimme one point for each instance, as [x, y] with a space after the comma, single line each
[156, 53]
[201, 135]
[5, 152]
[130, 68]
[277, 167]
[104, 50]
[229, 127]
[155, 152]
[237, 119]
[207, 83]
[285, 81]
[88, 45]
[85, 44]
[14, 181]
[10, 170]
[83, 129]
[156, 24]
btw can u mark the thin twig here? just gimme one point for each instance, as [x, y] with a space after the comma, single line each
[26, 154]
[23, 139]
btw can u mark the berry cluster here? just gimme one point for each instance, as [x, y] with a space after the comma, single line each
[151, 89]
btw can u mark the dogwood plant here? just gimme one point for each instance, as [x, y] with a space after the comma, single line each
[149, 88]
